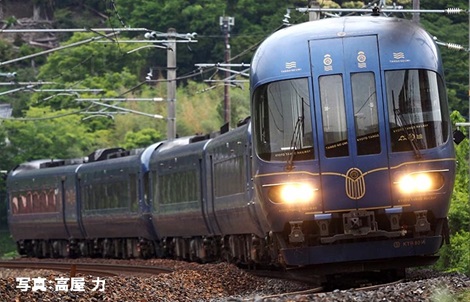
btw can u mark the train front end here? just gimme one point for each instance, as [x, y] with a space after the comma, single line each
[353, 155]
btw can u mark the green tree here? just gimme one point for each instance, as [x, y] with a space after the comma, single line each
[90, 59]
[451, 29]
[459, 214]
[46, 134]
[455, 257]
[142, 138]
[197, 109]
[5, 165]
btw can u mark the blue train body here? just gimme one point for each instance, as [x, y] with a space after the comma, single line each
[371, 91]
[348, 158]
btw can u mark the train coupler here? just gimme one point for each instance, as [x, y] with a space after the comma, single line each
[359, 222]
[296, 235]
[422, 223]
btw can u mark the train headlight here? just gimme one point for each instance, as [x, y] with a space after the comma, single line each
[421, 182]
[291, 193]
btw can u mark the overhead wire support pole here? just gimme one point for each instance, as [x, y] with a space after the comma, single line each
[148, 41]
[69, 90]
[27, 86]
[172, 37]
[221, 67]
[226, 24]
[13, 90]
[127, 110]
[58, 48]
[26, 83]
[73, 30]
[416, 6]
[171, 84]
[203, 65]
[120, 99]
[449, 11]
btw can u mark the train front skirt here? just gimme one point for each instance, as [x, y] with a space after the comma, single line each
[361, 251]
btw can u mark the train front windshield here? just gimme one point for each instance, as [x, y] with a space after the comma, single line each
[283, 121]
[415, 99]
[417, 109]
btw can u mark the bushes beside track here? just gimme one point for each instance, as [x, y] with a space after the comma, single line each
[7, 245]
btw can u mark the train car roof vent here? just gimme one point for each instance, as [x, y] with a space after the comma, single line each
[244, 121]
[52, 163]
[198, 138]
[103, 154]
[225, 128]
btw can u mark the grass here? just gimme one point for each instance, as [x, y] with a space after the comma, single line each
[7, 246]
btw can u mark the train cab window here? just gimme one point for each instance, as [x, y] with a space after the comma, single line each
[416, 106]
[335, 130]
[365, 113]
[282, 121]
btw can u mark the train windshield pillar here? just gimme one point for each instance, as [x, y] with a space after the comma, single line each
[283, 121]
[335, 128]
[366, 120]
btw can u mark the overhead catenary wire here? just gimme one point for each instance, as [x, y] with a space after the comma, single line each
[192, 74]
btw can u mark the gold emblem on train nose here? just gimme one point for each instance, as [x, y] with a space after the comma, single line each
[355, 185]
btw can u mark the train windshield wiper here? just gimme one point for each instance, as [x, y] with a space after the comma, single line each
[402, 124]
[296, 139]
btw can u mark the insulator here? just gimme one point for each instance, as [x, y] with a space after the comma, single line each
[453, 10]
[454, 46]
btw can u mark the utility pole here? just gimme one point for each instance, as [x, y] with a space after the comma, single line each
[312, 15]
[171, 83]
[226, 24]
[416, 6]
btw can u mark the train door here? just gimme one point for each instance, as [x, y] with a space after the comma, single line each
[209, 208]
[71, 207]
[350, 114]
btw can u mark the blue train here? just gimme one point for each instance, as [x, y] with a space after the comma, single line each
[348, 158]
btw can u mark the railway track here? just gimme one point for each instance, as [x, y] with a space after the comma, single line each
[314, 285]
[96, 269]
[321, 289]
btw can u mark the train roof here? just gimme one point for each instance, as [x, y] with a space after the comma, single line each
[102, 155]
[394, 35]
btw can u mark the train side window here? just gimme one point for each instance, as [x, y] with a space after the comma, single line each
[365, 113]
[43, 201]
[51, 201]
[29, 200]
[335, 130]
[282, 121]
[134, 199]
[156, 190]
[230, 176]
[23, 209]
[14, 205]
[416, 106]
[36, 203]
